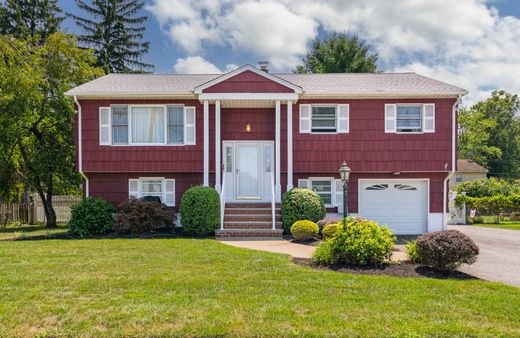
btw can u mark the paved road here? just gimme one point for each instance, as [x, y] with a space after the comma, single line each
[499, 258]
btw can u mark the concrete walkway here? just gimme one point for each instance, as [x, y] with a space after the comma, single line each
[294, 249]
[499, 258]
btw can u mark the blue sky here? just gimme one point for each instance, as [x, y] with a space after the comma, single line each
[471, 43]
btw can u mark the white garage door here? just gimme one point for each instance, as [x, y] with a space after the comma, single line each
[400, 204]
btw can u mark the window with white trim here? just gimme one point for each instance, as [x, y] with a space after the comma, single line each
[153, 186]
[328, 188]
[323, 189]
[147, 125]
[409, 119]
[458, 178]
[323, 119]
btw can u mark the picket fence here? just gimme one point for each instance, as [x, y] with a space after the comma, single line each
[35, 213]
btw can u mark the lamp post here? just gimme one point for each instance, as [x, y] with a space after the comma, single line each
[344, 173]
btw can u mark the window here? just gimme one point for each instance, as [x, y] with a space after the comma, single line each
[153, 186]
[409, 119]
[119, 124]
[323, 119]
[323, 189]
[175, 125]
[147, 125]
[458, 178]
[377, 187]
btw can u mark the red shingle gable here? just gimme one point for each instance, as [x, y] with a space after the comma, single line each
[248, 82]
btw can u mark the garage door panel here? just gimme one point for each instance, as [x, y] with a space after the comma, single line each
[399, 204]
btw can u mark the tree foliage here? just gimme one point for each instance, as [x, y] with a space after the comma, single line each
[489, 134]
[339, 53]
[115, 31]
[36, 118]
[30, 18]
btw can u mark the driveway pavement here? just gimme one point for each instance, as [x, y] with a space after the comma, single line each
[499, 258]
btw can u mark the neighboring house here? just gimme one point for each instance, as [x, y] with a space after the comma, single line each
[467, 171]
[253, 135]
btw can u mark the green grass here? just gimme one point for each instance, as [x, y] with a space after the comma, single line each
[510, 226]
[132, 287]
[27, 231]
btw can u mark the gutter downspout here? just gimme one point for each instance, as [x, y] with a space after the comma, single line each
[453, 162]
[80, 149]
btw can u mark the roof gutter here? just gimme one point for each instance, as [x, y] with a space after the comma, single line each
[80, 148]
[453, 162]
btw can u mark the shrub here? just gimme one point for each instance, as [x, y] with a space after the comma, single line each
[446, 250]
[138, 216]
[301, 204]
[488, 187]
[200, 211]
[91, 217]
[304, 230]
[322, 223]
[361, 242]
[331, 230]
[411, 247]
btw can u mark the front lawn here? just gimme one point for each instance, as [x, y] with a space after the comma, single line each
[510, 226]
[27, 231]
[136, 287]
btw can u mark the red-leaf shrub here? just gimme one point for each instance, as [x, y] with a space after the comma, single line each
[446, 250]
[138, 216]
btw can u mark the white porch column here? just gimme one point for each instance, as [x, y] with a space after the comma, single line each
[277, 186]
[289, 147]
[206, 145]
[217, 146]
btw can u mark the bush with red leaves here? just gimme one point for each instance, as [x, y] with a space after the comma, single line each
[446, 250]
[138, 216]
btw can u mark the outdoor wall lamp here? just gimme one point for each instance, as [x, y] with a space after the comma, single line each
[248, 128]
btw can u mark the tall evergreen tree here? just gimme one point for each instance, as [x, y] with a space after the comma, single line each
[30, 18]
[115, 31]
[339, 53]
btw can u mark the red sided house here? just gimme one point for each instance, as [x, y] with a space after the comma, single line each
[253, 135]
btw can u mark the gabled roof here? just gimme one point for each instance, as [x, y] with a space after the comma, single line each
[199, 89]
[345, 85]
[469, 166]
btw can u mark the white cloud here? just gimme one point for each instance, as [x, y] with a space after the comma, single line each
[463, 42]
[199, 65]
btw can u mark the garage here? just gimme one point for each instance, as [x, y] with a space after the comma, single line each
[402, 205]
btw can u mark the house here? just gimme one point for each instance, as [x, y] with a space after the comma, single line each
[254, 135]
[467, 171]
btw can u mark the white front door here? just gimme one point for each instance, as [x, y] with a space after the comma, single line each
[247, 169]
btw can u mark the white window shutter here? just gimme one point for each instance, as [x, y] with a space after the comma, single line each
[104, 126]
[133, 188]
[429, 118]
[305, 118]
[343, 118]
[303, 183]
[169, 192]
[339, 195]
[189, 125]
[390, 118]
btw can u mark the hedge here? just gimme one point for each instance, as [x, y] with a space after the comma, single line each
[490, 205]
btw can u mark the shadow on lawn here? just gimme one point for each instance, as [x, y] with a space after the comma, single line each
[403, 269]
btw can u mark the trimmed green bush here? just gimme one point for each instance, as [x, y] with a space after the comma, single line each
[322, 223]
[304, 230]
[200, 211]
[92, 216]
[138, 216]
[446, 250]
[331, 230]
[301, 204]
[360, 242]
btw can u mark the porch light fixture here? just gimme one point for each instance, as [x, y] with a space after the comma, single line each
[396, 173]
[344, 173]
[248, 128]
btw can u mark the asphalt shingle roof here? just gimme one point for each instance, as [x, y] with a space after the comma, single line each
[470, 166]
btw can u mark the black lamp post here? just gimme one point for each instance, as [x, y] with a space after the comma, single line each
[344, 173]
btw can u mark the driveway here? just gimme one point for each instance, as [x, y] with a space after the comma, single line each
[499, 258]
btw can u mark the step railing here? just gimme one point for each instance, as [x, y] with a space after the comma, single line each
[222, 201]
[273, 202]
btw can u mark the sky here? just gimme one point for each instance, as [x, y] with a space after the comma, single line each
[474, 44]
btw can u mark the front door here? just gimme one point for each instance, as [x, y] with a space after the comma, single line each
[247, 169]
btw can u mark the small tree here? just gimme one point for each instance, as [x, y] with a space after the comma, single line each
[339, 53]
[36, 118]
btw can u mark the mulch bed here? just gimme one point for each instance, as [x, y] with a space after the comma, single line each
[403, 269]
